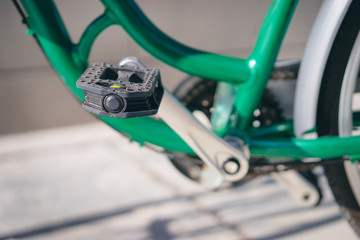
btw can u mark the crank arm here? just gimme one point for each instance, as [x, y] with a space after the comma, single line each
[300, 189]
[223, 160]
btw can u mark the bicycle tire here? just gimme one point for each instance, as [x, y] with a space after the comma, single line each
[330, 115]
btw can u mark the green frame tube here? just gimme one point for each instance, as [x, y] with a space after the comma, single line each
[90, 34]
[324, 147]
[249, 76]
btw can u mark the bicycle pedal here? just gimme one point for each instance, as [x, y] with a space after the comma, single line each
[121, 92]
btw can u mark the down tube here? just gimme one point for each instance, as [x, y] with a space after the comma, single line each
[45, 23]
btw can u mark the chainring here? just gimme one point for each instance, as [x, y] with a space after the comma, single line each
[197, 94]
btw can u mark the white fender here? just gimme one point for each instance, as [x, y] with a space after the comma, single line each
[313, 63]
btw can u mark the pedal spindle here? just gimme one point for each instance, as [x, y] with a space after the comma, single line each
[121, 92]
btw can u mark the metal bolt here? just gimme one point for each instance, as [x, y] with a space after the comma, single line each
[113, 103]
[306, 196]
[231, 166]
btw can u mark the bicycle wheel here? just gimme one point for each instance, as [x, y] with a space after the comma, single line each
[338, 103]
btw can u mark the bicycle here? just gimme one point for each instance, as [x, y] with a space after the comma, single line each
[326, 118]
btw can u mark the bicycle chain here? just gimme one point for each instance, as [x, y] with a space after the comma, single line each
[266, 168]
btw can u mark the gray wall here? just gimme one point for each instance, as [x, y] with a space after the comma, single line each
[30, 98]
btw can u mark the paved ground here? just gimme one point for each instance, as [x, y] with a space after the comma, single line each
[87, 182]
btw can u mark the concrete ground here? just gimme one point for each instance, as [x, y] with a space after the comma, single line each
[88, 182]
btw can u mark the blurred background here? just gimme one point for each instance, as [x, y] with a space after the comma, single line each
[65, 175]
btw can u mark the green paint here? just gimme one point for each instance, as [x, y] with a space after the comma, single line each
[30, 32]
[261, 60]
[324, 147]
[90, 34]
[223, 108]
[354, 158]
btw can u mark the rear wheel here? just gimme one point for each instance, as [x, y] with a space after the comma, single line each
[339, 102]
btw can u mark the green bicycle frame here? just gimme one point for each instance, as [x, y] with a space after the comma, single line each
[248, 76]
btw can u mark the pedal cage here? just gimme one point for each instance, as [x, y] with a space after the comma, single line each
[121, 92]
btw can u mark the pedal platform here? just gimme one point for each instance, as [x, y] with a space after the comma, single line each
[121, 92]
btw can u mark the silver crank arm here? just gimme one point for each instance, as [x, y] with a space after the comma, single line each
[224, 162]
[300, 189]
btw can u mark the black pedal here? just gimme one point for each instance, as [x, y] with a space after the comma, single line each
[121, 92]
